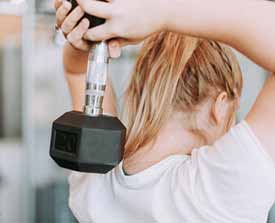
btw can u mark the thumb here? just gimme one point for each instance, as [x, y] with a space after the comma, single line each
[114, 48]
[125, 42]
[99, 33]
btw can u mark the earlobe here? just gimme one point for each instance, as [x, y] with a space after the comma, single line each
[220, 107]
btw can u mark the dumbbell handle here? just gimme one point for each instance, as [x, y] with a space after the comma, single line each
[97, 69]
[96, 79]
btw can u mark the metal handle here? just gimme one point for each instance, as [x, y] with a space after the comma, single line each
[96, 79]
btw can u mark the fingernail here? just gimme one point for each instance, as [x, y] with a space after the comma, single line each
[115, 44]
[67, 5]
[119, 54]
[79, 9]
[85, 22]
[115, 52]
[85, 36]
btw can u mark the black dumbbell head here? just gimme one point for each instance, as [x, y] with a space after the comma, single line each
[87, 144]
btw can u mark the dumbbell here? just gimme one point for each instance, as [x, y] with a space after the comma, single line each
[89, 141]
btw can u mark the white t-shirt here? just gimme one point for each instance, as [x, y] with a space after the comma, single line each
[232, 181]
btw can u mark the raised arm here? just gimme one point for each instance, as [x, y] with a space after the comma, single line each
[75, 63]
[75, 56]
[247, 25]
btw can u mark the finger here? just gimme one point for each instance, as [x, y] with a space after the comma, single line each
[57, 4]
[62, 12]
[70, 21]
[114, 48]
[99, 33]
[79, 30]
[96, 8]
[125, 42]
[75, 36]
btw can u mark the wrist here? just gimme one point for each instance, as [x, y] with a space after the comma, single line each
[74, 51]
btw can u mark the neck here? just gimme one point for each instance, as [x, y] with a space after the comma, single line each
[173, 138]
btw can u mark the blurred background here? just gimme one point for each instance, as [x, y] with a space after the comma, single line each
[33, 92]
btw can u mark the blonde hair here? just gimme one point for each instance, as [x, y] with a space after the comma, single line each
[175, 72]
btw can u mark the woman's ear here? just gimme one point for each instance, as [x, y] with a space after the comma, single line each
[220, 108]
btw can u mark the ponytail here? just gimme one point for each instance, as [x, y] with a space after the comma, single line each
[149, 97]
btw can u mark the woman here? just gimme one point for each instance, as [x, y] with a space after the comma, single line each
[185, 159]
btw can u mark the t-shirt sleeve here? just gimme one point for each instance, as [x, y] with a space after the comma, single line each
[235, 176]
[80, 194]
[78, 183]
[82, 187]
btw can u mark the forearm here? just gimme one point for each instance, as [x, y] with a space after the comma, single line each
[247, 25]
[75, 65]
[75, 61]
[76, 84]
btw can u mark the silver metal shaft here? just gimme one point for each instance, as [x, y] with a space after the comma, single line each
[96, 79]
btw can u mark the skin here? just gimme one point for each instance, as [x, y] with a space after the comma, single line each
[247, 25]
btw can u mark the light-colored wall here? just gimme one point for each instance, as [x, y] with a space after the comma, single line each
[12, 183]
[254, 78]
